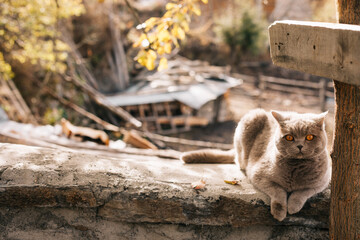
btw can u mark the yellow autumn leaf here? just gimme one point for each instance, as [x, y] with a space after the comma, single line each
[178, 32]
[168, 14]
[151, 37]
[151, 54]
[62, 56]
[164, 36]
[175, 41]
[184, 10]
[150, 61]
[170, 6]
[61, 46]
[162, 64]
[162, 26]
[195, 9]
[185, 26]
[167, 48]
[232, 182]
[141, 57]
[180, 17]
[150, 23]
[139, 41]
[160, 50]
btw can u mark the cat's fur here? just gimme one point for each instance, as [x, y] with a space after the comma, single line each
[274, 165]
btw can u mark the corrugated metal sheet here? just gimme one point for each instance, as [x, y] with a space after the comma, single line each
[195, 96]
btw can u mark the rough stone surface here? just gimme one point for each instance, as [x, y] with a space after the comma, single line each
[53, 223]
[51, 194]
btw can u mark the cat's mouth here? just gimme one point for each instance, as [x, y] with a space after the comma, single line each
[300, 153]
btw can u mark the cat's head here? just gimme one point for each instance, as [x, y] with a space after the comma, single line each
[300, 136]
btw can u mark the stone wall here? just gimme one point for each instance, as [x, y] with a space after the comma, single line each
[52, 194]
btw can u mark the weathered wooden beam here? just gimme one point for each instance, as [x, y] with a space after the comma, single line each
[182, 120]
[345, 184]
[323, 49]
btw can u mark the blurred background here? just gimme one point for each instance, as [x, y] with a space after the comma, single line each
[147, 73]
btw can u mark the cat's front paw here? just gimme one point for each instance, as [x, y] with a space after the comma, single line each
[278, 210]
[295, 204]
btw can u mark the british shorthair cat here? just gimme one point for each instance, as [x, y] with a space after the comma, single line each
[282, 153]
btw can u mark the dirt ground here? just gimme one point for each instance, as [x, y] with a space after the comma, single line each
[246, 97]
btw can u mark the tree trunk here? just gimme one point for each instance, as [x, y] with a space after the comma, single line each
[345, 185]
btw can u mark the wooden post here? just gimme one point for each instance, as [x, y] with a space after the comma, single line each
[332, 50]
[322, 94]
[217, 108]
[156, 115]
[262, 83]
[345, 185]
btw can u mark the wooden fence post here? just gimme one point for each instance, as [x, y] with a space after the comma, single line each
[345, 183]
[322, 94]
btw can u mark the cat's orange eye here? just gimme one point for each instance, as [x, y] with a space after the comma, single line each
[289, 137]
[309, 137]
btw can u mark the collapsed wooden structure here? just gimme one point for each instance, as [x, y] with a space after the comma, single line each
[188, 93]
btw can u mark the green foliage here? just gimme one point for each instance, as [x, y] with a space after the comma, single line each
[53, 115]
[28, 32]
[244, 33]
[161, 35]
[246, 36]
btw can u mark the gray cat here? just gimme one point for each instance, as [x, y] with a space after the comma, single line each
[281, 153]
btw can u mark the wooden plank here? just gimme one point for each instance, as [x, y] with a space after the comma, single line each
[216, 108]
[133, 138]
[191, 121]
[329, 94]
[203, 144]
[155, 114]
[142, 115]
[244, 77]
[291, 89]
[71, 130]
[291, 82]
[169, 114]
[323, 49]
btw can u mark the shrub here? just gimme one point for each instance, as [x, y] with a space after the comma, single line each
[245, 35]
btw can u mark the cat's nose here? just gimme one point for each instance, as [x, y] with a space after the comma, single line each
[300, 147]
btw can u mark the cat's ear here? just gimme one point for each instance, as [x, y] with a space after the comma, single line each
[320, 119]
[279, 118]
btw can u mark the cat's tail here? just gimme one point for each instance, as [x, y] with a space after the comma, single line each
[209, 156]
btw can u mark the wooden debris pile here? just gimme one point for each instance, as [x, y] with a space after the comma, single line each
[81, 133]
[85, 140]
[132, 143]
[84, 133]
